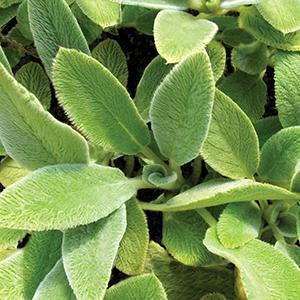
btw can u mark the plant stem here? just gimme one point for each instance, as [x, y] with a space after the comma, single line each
[207, 217]
[129, 165]
[197, 169]
[277, 234]
[149, 154]
[151, 206]
[180, 180]
[139, 183]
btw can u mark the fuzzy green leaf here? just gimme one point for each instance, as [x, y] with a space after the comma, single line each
[251, 59]
[23, 20]
[222, 191]
[53, 25]
[10, 238]
[157, 4]
[134, 245]
[267, 127]
[64, 196]
[217, 55]
[146, 287]
[248, 91]
[183, 233]
[40, 255]
[34, 79]
[266, 273]
[178, 34]
[254, 23]
[287, 68]
[4, 61]
[103, 12]
[284, 15]
[153, 76]
[8, 13]
[108, 116]
[7, 3]
[55, 285]
[181, 109]
[291, 251]
[233, 153]
[111, 56]
[30, 135]
[89, 253]
[238, 224]
[279, 157]
[185, 282]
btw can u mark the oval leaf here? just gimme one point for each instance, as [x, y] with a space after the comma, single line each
[63, 196]
[238, 224]
[233, 153]
[89, 253]
[30, 135]
[146, 287]
[53, 25]
[266, 273]
[178, 34]
[181, 109]
[107, 116]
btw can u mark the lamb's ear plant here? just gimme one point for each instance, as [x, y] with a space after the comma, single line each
[200, 138]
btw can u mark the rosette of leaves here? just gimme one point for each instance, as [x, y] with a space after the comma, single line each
[196, 133]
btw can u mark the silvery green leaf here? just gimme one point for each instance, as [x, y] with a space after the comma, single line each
[217, 55]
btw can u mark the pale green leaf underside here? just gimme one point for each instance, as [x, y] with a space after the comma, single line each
[183, 233]
[254, 23]
[266, 273]
[181, 108]
[9, 238]
[185, 282]
[233, 153]
[221, 191]
[89, 253]
[111, 56]
[153, 76]
[134, 245]
[107, 116]
[287, 68]
[284, 15]
[279, 157]
[146, 287]
[55, 285]
[63, 196]
[178, 34]
[53, 25]
[156, 4]
[248, 91]
[30, 134]
[238, 224]
[34, 79]
[103, 12]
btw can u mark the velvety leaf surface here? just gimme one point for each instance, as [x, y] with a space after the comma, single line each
[40, 255]
[221, 191]
[266, 273]
[34, 79]
[53, 25]
[185, 282]
[238, 224]
[111, 56]
[291, 251]
[146, 287]
[181, 109]
[23, 20]
[134, 245]
[103, 12]
[11, 277]
[108, 116]
[64, 196]
[279, 157]
[153, 76]
[183, 233]
[30, 135]
[217, 55]
[156, 4]
[254, 23]
[7, 3]
[233, 153]
[89, 253]
[284, 15]
[248, 91]
[4, 61]
[178, 34]
[287, 87]
[9, 238]
[267, 127]
[55, 285]
[8, 13]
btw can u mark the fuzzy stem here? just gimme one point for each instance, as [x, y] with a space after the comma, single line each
[207, 217]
